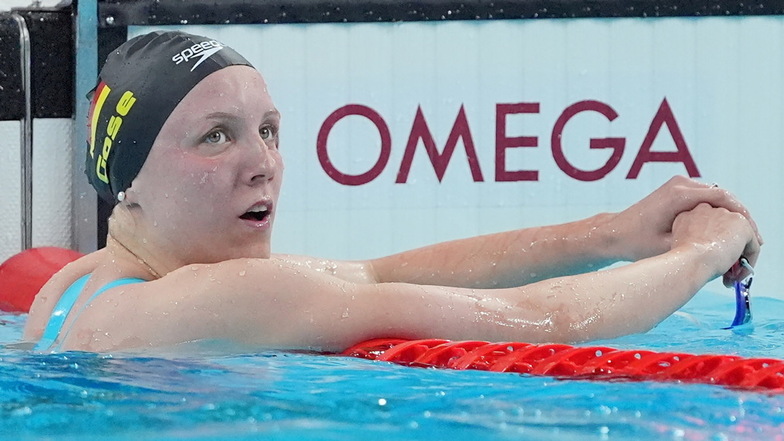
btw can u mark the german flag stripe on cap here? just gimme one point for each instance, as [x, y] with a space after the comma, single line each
[101, 92]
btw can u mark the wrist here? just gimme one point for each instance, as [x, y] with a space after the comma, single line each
[698, 260]
[608, 238]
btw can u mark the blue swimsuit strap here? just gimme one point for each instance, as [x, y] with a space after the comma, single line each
[66, 303]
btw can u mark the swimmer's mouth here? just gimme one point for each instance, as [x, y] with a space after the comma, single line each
[257, 214]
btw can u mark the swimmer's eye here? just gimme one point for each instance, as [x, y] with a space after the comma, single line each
[267, 132]
[216, 137]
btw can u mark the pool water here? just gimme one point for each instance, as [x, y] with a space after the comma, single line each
[242, 394]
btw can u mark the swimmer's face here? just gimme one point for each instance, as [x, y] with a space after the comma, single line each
[209, 189]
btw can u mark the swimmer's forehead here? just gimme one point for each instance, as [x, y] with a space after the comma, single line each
[232, 94]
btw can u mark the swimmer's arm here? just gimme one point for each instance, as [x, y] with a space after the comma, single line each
[605, 304]
[316, 311]
[280, 305]
[276, 305]
[497, 260]
[524, 256]
[507, 259]
[706, 241]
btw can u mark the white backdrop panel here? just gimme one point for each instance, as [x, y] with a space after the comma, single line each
[52, 150]
[706, 90]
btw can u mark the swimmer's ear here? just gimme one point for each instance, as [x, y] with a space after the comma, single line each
[131, 196]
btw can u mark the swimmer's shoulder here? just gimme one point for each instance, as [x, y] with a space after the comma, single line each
[53, 289]
[191, 303]
[232, 299]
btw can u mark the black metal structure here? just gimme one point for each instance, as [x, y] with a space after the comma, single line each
[52, 64]
[162, 12]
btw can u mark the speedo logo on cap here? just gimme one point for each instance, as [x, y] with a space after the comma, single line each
[201, 51]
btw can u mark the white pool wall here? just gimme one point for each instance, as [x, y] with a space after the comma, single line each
[52, 183]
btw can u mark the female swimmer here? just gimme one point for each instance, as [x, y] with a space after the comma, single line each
[184, 140]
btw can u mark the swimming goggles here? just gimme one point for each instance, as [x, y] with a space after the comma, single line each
[742, 297]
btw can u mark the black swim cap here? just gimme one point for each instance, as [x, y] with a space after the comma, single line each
[140, 84]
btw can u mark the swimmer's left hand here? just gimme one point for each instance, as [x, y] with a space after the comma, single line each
[723, 238]
[645, 228]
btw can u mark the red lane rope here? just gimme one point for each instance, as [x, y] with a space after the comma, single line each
[565, 361]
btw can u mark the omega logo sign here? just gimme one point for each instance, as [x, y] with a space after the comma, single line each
[440, 158]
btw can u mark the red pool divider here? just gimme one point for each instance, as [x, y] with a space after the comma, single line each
[23, 275]
[591, 362]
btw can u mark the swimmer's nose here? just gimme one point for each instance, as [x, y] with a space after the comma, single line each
[263, 162]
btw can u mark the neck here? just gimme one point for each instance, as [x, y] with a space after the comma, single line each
[124, 242]
[112, 241]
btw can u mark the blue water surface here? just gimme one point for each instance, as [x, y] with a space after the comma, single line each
[215, 394]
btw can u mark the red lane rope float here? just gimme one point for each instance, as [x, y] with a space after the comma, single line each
[23, 275]
[566, 361]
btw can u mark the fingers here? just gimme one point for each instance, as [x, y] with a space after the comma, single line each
[693, 193]
[738, 272]
[717, 197]
[730, 232]
[693, 200]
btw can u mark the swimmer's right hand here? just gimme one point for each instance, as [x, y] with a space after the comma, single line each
[645, 228]
[721, 236]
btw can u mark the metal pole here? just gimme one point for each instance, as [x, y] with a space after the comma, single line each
[26, 134]
[85, 217]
